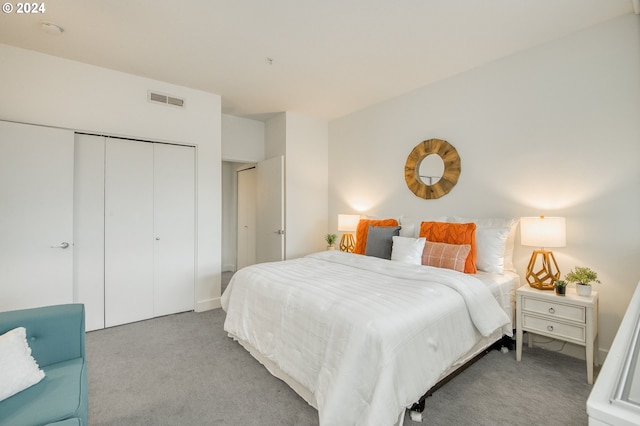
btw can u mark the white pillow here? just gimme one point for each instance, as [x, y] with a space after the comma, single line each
[509, 247]
[408, 230]
[18, 369]
[487, 242]
[490, 248]
[408, 250]
[411, 226]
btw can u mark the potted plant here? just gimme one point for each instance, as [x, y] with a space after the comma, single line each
[331, 240]
[560, 286]
[583, 277]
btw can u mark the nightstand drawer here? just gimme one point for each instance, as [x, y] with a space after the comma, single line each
[553, 328]
[557, 310]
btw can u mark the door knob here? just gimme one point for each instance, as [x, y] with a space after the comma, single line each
[63, 245]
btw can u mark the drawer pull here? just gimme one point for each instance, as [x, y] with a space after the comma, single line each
[550, 327]
[552, 311]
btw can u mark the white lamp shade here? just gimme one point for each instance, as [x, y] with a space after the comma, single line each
[543, 231]
[348, 222]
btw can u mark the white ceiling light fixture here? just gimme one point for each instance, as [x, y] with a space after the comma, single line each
[51, 28]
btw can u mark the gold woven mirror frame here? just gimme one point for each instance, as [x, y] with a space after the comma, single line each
[449, 178]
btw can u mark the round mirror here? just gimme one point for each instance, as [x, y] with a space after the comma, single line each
[431, 169]
[439, 175]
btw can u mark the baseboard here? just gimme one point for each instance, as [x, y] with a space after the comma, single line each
[567, 348]
[207, 305]
[230, 267]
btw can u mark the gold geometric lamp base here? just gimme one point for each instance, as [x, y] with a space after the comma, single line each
[542, 270]
[348, 223]
[347, 243]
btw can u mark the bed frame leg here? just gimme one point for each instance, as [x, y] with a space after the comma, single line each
[506, 343]
[416, 416]
[416, 410]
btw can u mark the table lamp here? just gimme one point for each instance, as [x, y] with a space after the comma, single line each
[543, 232]
[348, 223]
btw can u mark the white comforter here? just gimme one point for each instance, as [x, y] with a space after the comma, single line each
[366, 336]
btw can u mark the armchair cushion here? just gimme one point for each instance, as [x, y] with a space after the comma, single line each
[60, 395]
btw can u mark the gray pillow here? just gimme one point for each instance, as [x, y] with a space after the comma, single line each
[380, 240]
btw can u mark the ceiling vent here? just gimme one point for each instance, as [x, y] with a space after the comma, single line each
[165, 99]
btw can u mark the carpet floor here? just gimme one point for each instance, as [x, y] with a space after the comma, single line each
[183, 370]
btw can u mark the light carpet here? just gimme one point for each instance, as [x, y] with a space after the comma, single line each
[183, 370]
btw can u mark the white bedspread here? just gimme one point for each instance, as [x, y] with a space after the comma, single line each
[366, 336]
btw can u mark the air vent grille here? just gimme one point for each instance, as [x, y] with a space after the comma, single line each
[157, 97]
[165, 99]
[175, 101]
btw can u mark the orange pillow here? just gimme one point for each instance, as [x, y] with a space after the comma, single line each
[453, 233]
[363, 229]
[443, 255]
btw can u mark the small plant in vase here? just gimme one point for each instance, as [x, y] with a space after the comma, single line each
[583, 277]
[560, 286]
[331, 240]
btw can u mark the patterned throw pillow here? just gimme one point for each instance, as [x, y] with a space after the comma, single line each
[453, 233]
[443, 255]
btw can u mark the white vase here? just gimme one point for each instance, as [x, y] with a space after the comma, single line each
[583, 290]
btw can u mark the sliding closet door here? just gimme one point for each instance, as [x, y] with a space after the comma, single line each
[88, 228]
[36, 216]
[174, 228]
[128, 231]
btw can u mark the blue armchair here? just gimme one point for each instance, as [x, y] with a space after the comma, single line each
[56, 335]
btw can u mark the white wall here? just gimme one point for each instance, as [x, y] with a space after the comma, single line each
[42, 89]
[554, 130]
[306, 181]
[276, 135]
[242, 139]
[304, 143]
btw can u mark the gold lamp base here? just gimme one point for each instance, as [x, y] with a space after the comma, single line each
[542, 270]
[347, 243]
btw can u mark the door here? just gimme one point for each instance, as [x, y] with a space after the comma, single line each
[174, 228]
[270, 225]
[128, 231]
[246, 228]
[36, 216]
[88, 228]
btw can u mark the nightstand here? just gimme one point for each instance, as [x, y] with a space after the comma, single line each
[569, 318]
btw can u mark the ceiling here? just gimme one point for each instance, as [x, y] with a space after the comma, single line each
[328, 57]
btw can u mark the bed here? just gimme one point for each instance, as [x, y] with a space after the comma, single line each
[361, 338]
